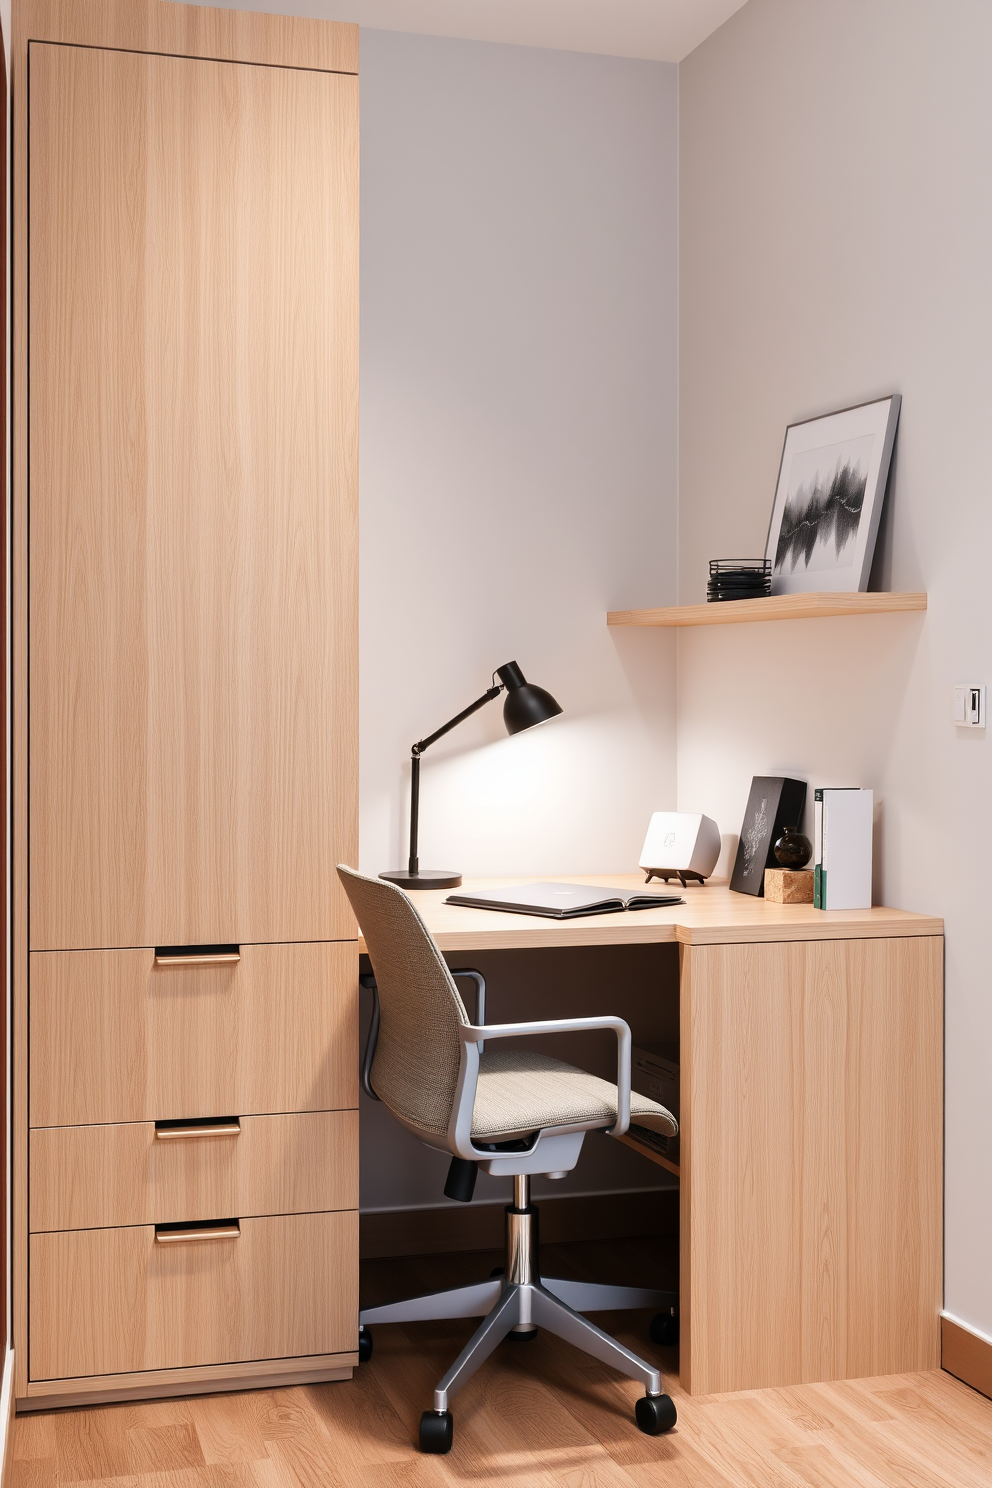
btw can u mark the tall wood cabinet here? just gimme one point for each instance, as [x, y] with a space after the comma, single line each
[185, 698]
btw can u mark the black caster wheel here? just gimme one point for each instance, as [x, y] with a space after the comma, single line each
[514, 1337]
[364, 1345]
[437, 1431]
[655, 1414]
[665, 1329]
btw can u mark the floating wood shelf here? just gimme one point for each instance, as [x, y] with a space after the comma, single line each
[774, 607]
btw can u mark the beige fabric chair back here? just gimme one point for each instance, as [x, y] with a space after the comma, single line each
[416, 1063]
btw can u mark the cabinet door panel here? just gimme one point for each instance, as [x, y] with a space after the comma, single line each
[113, 1301]
[192, 479]
[811, 1089]
[116, 1038]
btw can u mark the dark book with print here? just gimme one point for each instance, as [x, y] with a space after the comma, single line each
[775, 802]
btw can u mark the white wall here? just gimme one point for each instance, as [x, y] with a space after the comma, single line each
[518, 446]
[662, 30]
[836, 238]
[519, 383]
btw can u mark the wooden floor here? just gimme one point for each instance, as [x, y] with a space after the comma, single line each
[537, 1415]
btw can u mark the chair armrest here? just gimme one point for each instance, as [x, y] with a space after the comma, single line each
[473, 1035]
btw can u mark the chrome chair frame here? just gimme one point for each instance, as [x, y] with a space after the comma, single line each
[521, 1300]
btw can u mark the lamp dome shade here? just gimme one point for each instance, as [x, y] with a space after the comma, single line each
[525, 704]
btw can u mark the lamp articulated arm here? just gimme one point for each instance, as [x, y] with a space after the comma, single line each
[418, 749]
[525, 706]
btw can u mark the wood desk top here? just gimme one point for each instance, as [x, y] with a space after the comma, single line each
[711, 915]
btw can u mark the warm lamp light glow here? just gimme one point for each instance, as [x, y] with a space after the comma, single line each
[525, 707]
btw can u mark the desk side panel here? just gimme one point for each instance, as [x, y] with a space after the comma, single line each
[811, 1161]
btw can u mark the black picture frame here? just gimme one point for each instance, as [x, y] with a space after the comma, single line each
[831, 486]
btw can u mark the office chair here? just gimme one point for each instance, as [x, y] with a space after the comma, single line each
[511, 1113]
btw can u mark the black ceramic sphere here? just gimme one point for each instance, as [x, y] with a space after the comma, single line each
[793, 850]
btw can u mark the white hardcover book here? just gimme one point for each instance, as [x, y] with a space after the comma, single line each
[845, 849]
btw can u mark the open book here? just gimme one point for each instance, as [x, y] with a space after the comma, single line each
[559, 901]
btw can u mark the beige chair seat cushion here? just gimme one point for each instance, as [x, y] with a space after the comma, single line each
[519, 1093]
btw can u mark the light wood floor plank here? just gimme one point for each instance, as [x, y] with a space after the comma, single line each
[538, 1415]
[847, 1400]
[158, 1448]
[274, 1473]
[94, 1444]
[681, 1467]
[942, 1453]
[935, 1415]
[233, 1475]
[516, 1422]
[227, 1427]
[365, 1414]
[34, 1472]
[602, 1399]
[35, 1436]
[279, 1413]
[736, 1444]
[307, 1462]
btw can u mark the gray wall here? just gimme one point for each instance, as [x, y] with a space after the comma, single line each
[836, 242]
[519, 396]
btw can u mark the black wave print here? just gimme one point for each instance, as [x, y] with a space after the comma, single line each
[815, 514]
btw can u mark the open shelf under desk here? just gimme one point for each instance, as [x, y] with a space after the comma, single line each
[646, 1151]
[772, 607]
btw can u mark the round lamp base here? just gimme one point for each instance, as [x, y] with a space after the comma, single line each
[427, 878]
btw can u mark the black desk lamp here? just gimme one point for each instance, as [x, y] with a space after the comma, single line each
[525, 705]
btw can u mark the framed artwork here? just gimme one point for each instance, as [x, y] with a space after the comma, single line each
[828, 502]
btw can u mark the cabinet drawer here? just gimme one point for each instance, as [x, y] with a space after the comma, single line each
[114, 1301]
[84, 1177]
[116, 1038]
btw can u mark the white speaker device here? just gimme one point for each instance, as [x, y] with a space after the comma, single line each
[682, 845]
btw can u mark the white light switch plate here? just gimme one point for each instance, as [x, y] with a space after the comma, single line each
[969, 705]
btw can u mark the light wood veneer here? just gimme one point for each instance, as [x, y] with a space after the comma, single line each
[205, 1379]
[184, 456]
[116, 1038]
[811, 1154]
[710, 915]
[193, 454]
[190, 31]
[106, 1302]
[84, 1177]
[966, 1356]
[770, 607]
